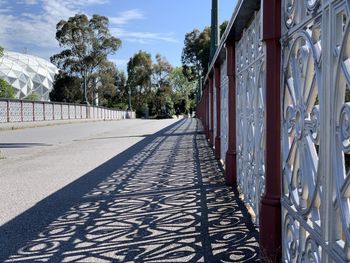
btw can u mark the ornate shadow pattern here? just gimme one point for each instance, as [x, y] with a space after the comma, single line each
[166, 203]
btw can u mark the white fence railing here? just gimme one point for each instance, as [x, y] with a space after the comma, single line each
[28, 111]
[224, 111]
[316, 131]
[306, 191]
[250, 114]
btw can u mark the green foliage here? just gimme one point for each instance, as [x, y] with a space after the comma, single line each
[139, 78]
[66, 88]
[196, 51]
[183, 90]
[86, 45]
[119, 106]
[105, 83]
[6, 90]
[1, 51]
[121, 87]
[223, 27]
[161, 70]
[32, 97]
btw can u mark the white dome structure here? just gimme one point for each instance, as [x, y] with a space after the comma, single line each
[27, 74]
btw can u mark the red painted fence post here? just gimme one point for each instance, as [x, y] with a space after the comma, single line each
[8, 111]
[270, 207]
[231, 154]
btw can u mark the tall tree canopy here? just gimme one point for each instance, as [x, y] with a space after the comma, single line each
[196, 51]
[139, 78]
[66, 88]
[1, 51]
[161, 71]
[86, 44]
[183, 89]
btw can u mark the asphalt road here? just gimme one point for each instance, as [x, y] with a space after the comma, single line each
[37, 162]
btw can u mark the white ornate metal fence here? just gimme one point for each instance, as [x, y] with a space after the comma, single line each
[224, 110]
[250, 114]
[214, 111]
[27, 111]
[316, 131]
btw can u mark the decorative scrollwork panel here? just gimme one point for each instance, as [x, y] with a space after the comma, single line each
[48, 111]
[3, 111]
[15, 111]
[58, 112]
[78, 112]
[224, 110]
[72, 112]
[315, 136]
[214, 110]
[341, 200]
[250, 115]
[27, 111]
[39, 111]
[65, 112]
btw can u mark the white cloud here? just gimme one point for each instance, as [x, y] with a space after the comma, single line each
[126, 16]
[39, 28]
[30, 2]
[36, 30]
[144, 37]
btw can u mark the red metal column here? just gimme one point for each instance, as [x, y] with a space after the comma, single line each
[44, 111]
[218, 111]
[211, 110]
[33, 111]
[270, 207]
[231, 154]
[21, 110]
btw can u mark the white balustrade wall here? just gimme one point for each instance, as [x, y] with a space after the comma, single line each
[250, 92]
[27, 111]
[316, 131]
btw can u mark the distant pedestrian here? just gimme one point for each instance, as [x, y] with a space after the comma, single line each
[191, 112]
[177, 112]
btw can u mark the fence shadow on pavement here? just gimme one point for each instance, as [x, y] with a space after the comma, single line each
[162, 200]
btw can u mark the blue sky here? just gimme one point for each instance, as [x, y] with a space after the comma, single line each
[156, 26]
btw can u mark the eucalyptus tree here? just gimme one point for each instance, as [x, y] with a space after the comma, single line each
[161, 71]
[139, 70]
[182, 89]
[86, 44]
[196, 51]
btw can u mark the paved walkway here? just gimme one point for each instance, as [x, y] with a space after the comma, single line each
[163, 200]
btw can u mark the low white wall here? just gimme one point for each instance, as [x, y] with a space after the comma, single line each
[27, 111]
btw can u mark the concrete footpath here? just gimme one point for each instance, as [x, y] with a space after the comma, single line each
[161, 200]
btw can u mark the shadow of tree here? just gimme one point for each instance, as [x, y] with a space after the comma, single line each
[162, 200]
